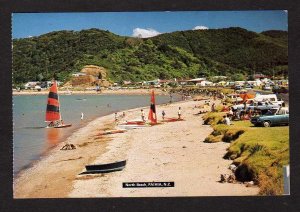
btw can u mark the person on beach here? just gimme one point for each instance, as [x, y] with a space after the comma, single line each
[123, 114]
[116, 117]
[81, 118]
[226, 120]
[179, 113]
[213, 107]
[230, 113]
[143, 115]
[163, 114]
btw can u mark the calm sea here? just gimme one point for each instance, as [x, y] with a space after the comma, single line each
[31, 139]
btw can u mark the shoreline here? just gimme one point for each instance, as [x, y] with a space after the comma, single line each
[105, 122]
[64, 166]
[47, 150]
[92, 92]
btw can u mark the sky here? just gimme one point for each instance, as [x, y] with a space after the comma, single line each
[147, 24]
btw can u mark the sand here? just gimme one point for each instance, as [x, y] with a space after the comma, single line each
[167, 152]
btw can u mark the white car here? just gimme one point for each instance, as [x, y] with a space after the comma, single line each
[267, 87]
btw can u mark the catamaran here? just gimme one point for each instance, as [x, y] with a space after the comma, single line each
[53, 115]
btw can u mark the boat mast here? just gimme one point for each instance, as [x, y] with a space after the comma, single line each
[60, 117]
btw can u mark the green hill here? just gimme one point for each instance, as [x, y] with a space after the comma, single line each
[233, 52]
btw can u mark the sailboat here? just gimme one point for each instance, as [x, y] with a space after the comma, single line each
[53, 115]
[135, 124]
[152, 112]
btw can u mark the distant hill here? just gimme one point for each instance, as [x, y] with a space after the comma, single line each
[234, 52]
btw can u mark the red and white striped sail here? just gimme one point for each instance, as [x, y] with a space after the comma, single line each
[152, 112]
[52, 111]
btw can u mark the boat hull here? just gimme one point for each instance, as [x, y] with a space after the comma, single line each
[64, 126]
[105, 168]
[60, 126]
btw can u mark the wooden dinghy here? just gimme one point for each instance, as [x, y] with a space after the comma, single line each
[105, 168]
[63, 126]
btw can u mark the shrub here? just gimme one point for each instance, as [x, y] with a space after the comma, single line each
[213, 139]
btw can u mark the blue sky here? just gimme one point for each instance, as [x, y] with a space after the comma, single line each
[146, 24]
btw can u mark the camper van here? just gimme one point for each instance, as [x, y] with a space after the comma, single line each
[261, 102]
[266, 97]
[269, 98]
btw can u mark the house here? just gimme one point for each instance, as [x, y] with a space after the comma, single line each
[204, 83]
[257, 82]
[153, 82]
[259, 76]
[197, 80]
[183, 82]
[222, 83]
[219, 77]
[78, 74]
[241, 83]
[31, 85]
[127, 82]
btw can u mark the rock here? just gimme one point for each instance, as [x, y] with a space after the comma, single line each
[86, 80]
[95, 71]
[232, 167]
[93, 75]
[68, 147]
[231, 178]
[227, 178]
[223, 178]
[250, 184]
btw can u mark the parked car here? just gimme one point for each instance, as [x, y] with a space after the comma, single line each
[281, 117]
[248, 87]
[277, 89]
[267, 87]
[254, 105]
[237, 87]
[234, 98]
[263, 106]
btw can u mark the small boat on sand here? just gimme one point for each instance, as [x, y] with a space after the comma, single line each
[105, 168]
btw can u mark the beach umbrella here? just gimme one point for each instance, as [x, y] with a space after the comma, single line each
[152, 113]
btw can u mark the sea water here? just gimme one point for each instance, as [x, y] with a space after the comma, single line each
[30, 137]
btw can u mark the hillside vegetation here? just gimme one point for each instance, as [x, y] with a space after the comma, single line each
[233, 52]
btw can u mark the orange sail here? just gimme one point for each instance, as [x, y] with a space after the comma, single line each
[152, 112]
[52, 112]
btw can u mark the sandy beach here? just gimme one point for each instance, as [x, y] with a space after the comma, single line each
[171, 151]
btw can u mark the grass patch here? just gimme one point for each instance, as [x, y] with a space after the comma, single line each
[260, 153]
[221, 131]
[213, 118]
[213, 139]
